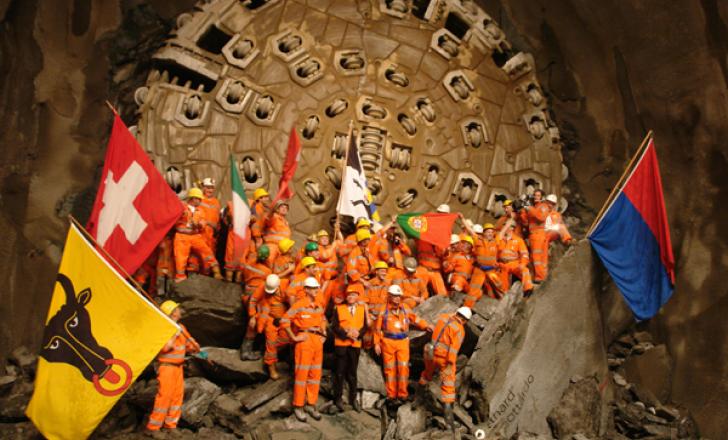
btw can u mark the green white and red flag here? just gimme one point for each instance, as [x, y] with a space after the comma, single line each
[432, 227]
[240, 214]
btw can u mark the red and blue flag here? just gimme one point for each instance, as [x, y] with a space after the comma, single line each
[632, 239]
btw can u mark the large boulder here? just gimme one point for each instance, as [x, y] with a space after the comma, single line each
[411, 420]
[578, 411]
[224, 365]
[369, 374]
[213, 311]
[199, 394]
[264, 393]
[531, 348]
[12, 404]
[25, 360]
[652, 371]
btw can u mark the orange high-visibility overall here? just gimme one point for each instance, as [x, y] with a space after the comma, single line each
[271, 308]
[168, 402]
[430, 257]
[459, 267]
[391, 334]
[359, 264]
[188, 237]
[513, 260]
[485, 275]
[258, 212]
[328, 257]
[538, 240]
[276, 229]
[306, 317]
[446, 340]
[414, 285]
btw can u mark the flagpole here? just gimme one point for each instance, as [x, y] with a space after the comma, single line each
[111, 107]
[627, 171]
[112, 259]
[343, 171]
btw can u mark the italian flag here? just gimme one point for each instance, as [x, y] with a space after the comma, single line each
[432, 227]
[241, 214]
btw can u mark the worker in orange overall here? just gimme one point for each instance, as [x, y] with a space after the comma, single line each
[376, 298]
[271, 307]
[328, 254]
[310, 250]
[305, 325]
[168, 402]
[210, 211]
[537, 215]
[391, 341]
[431, 257]
[254, 275]
[485, 274]
[510, 214]
[296, 290]
[349, 322]
[350, 242]
[513, 258]
[442, 354]
[413, 281]
[310, 239]
[392, 248]
[284, 264]
[165, 263]
[360, 261]
[258, 213]
[554, 226]
[276, 227]
[458, 264]
[189, 236]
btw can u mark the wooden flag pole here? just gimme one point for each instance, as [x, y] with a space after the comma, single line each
[123, 272]
[640, 151]
[111, 107]
[343, 172]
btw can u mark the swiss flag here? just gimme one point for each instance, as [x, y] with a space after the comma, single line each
[134, 207]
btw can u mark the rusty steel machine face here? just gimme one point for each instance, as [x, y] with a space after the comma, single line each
[442, 112]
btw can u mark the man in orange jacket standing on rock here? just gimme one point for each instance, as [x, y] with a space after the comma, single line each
[305, 325]
[168, 402]
[442, 354]
[188, 237]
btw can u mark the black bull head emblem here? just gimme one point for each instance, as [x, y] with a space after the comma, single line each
[68, 339]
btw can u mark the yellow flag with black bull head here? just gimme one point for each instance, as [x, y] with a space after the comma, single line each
[100, 334]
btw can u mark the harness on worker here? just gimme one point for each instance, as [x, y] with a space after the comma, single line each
[390, 335]
[430, 346]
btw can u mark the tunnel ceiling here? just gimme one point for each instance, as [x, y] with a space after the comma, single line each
[443, 110]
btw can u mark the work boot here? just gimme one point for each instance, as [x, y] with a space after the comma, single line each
[246, 351]
[313, 412]
[354, 402]
[448, 416]
[272, 372]
[216, 273]
[298, 412]
[339, 404]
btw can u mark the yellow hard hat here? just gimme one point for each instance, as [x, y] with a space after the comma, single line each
[285, 244]
[362, 234]
[312, 237]
[194, 192]
[381, 265]
[467, 238]
[507, 202]
[322, 233]
[307, 261]
[488, 226]
[168, 307]
[363, 221]
[259, 193]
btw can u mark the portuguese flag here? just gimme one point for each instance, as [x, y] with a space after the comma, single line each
[432, 227]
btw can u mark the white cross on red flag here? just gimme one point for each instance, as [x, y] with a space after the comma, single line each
[134, 206]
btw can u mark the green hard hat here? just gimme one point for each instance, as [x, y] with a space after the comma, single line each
[310, 247]
[263, 252]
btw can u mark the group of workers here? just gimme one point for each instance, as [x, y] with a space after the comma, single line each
[361, 288]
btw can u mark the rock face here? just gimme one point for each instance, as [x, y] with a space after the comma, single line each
[651, 370]
[369, 375]
[525, 363]
[213, 311]
[579, 410]
[224, 365]
[199, 394]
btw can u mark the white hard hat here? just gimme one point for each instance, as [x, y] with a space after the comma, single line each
[465, 312]
[208, 181]
[444, 208]
[311, 282]
[272, 282]
[454, 238]
[552, 198]
[478, 229]
[395, 290]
